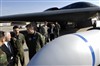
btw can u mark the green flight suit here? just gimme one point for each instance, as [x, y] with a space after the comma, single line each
[18, 42]
[34, 43]
[3, 58]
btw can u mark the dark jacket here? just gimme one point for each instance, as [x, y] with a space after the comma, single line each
[10, 55]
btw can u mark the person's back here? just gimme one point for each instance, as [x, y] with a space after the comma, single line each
[57, 29]
[94, 25]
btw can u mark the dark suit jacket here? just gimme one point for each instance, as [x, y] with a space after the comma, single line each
[10, 55]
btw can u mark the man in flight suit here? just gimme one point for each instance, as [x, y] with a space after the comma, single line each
[18, 40]
[34, 40]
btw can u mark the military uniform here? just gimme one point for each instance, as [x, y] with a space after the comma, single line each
[34, 43]
[3, 58]
[18, 42]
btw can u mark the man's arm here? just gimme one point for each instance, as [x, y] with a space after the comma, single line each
[3, 58]
[41, 39]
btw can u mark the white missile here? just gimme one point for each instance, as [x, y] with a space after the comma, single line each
[77, 49]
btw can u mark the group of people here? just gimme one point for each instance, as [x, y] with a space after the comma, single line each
[11, 43]
[49, 30]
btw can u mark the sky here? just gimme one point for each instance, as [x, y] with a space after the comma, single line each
[11, 7]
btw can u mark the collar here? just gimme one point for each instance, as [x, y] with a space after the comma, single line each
[6, 43]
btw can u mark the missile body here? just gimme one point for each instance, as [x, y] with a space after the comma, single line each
[77, 49]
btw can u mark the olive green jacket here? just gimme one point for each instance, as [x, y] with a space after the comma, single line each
[35, 41]
[3, 58]
[19, 41]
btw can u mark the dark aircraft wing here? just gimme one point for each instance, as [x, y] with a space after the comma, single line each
[63, 14]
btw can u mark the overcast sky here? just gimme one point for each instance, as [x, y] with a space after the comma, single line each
[10, 7]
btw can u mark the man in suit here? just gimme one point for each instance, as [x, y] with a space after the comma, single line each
[3, 56]
[8, 49]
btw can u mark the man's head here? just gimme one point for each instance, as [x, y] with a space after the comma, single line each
[2, 37]
[56, 23]
[7, 36]
[45, 23]
[16, 30]
[30, 28]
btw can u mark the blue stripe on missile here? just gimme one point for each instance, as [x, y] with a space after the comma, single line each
[90, 47]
